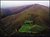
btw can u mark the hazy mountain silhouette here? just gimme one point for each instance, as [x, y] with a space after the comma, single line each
[13, 10]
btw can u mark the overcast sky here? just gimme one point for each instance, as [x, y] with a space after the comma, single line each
[5, 4]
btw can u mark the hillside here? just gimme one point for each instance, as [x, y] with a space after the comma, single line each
[12, 23]
[12, 10]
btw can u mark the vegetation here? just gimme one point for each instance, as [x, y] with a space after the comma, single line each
[31, 27]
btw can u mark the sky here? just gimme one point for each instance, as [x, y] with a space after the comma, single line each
[5, 4]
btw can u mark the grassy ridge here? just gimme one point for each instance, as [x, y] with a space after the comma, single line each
[16, 21]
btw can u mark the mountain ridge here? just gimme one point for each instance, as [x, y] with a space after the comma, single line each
[40, 14]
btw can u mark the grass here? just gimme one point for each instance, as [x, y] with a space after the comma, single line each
[29, 27]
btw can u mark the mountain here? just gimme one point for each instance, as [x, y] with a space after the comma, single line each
[12, 23]
[13, 10]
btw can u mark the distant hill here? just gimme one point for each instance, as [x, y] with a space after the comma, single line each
[13, 22]
[13, 10]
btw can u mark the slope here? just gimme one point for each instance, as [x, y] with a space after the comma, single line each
[39, 12]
